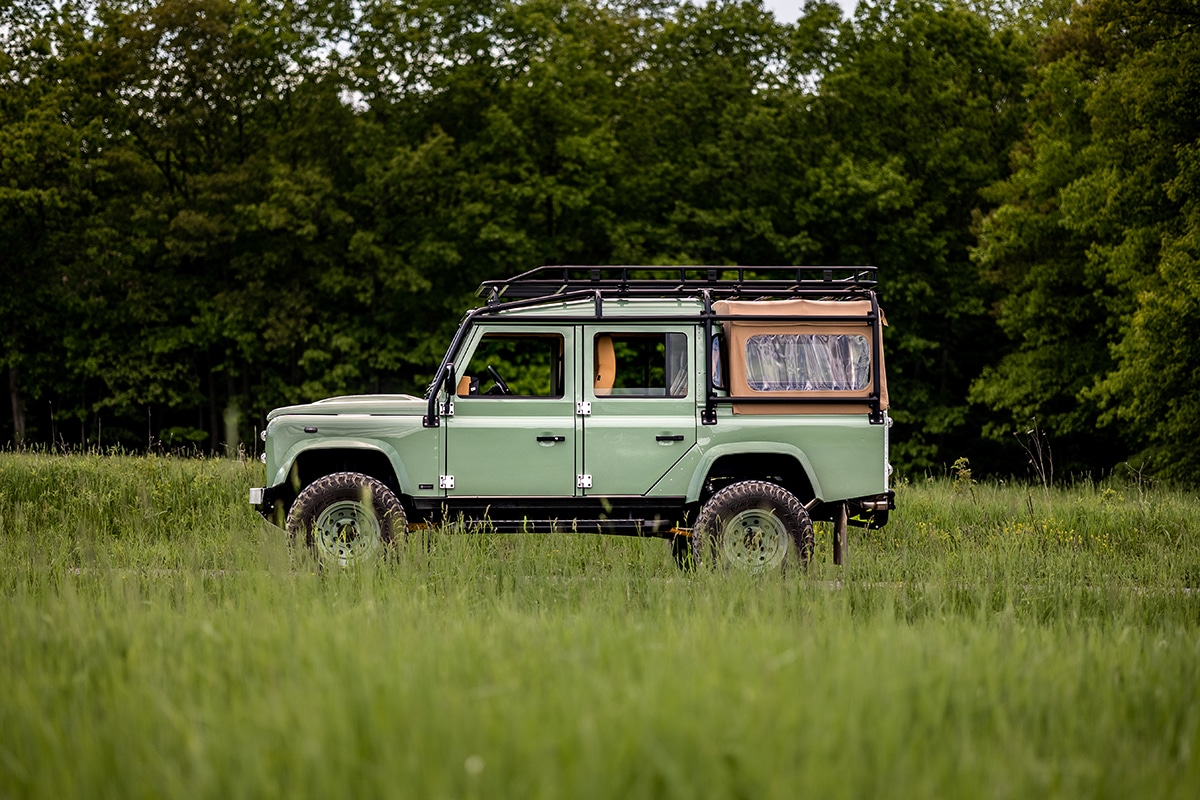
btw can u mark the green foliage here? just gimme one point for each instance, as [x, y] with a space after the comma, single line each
[963, 481]
[1094, 243]
[1154, 146]
[1028, 247]
[996, 643]
[208, 209]
[921, 111]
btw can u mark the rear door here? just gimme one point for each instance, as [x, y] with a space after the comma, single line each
[639, 405]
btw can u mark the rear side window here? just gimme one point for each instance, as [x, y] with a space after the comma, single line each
[816, 362]
[640, 365]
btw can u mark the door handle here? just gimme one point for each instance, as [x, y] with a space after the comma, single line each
[676, 438]
[551, 438]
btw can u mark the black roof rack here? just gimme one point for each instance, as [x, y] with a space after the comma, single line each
[645, 281]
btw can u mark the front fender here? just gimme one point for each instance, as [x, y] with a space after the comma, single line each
[284, 466]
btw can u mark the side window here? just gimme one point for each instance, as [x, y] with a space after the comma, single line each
[521, 364]
[788, 362]
[640, 364]
[718, 362]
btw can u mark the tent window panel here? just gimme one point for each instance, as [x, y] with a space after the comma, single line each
[808, 362]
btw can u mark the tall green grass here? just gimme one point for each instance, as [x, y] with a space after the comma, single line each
[158, 640]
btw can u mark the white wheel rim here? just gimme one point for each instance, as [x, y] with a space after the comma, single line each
[346, 532]
[755, 540]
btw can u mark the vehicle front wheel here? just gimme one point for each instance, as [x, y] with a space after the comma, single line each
[346, 518]
[755, 526]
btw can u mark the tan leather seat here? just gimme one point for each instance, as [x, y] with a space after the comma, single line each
[464, 386]
[606, 365]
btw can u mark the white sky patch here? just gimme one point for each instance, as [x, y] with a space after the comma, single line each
[789, 10]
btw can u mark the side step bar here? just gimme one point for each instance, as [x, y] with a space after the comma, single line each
[621, 527]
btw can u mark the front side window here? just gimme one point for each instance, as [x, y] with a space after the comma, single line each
[815, 362]
[640, 365]
[523, 365]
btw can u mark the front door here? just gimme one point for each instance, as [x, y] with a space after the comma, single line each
[640, 383]
[513, 431]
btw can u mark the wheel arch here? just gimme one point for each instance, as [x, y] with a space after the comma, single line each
[770, 461]
[311, 463]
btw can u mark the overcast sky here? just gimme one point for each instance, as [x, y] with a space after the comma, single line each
[789, 10]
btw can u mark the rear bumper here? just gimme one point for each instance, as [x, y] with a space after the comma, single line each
[871, 512]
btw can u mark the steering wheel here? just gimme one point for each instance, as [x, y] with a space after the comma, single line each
[501, 386]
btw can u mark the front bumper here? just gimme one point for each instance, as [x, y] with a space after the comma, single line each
[272, 502]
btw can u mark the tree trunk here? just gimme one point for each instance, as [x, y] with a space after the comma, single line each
[233, 416]
[213, 419]
[18, 407]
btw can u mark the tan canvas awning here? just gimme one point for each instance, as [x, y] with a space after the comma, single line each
[820, 351]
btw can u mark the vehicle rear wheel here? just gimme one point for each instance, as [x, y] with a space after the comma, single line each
[756, 526]
[346, 518]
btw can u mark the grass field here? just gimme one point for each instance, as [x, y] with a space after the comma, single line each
[158, 640]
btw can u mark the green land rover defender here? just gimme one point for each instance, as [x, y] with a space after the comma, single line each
[724, 409]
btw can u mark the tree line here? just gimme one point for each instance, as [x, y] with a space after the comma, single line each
[209, 208]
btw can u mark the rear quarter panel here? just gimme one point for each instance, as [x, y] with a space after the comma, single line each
[844, 455]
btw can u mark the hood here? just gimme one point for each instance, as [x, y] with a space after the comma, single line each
[377, 404]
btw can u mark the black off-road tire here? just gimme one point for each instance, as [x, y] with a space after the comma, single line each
[346, 518]
[756, 526]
